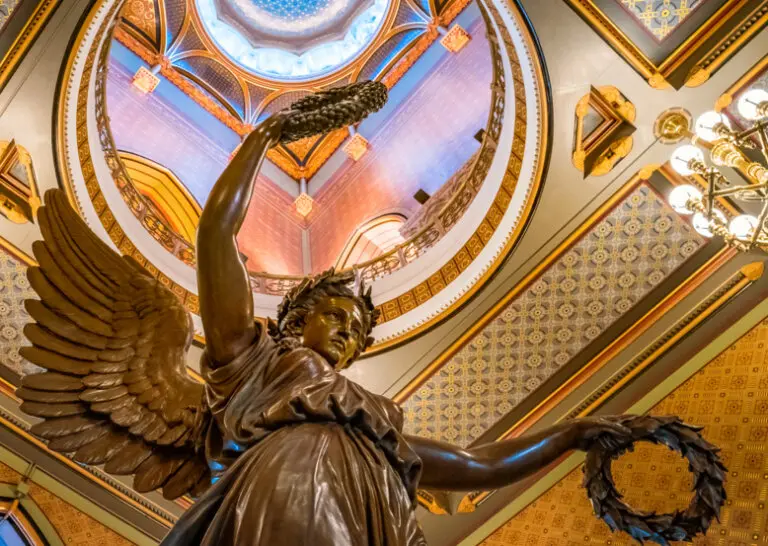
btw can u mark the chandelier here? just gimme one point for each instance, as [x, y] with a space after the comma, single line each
[727, 148]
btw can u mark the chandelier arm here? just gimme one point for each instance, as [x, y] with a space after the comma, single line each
[711, 175]
[736, 189]
[763, 134]
[760, 222]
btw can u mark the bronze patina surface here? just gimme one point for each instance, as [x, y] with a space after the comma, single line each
[277, 446]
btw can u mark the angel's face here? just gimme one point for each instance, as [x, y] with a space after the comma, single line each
[334, 329]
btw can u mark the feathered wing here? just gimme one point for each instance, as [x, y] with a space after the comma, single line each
[112, 340]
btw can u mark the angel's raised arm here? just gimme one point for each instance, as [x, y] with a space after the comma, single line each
[226, 302]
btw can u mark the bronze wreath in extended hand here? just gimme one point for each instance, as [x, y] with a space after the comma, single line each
[333, 109]
[709, 475]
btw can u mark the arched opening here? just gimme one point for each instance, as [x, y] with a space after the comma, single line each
[165, 193]
[16, 526]
[372, 239]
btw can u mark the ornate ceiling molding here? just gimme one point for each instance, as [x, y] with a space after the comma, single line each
[704, 42]
[189, 58]
[495, 342]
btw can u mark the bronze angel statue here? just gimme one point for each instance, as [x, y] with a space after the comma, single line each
[277, 447]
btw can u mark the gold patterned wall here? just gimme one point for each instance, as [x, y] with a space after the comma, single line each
[599, 279]
[72, 526]
[730, 398]
[14, 289]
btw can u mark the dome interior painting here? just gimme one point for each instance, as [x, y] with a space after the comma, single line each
[209, 91]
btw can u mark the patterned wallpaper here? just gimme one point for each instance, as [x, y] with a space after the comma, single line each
[730, 398]
[610, 269]
[14, 289]
[660, 17]
[72, 526]
[7, 8]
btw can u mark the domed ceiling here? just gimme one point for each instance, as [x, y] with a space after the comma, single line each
[294, 39]
[424, 201]
[251, 58]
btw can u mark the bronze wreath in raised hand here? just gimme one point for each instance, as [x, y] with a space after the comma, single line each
[333, 109]
[704, 461]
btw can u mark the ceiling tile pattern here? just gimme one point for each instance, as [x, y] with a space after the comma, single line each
[660, 17]
[608, 270]
[14, 289]
[729, 398]
[72, 525]
[7, 7]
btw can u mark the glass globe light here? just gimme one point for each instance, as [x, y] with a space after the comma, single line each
[682, 157]
[743, 227]
[679, 197]
[701, 222]
[750, 102]
[707, 123]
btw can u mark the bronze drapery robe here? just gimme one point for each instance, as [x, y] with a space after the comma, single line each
[303, 456]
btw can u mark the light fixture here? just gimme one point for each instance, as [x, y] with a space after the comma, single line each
[753, 105]
[680, 197]
[727, 148]
[685, 158]
[711, 126]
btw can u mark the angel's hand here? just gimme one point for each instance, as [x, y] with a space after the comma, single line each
[608, 431]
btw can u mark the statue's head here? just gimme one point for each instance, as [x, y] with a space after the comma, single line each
[329, 317]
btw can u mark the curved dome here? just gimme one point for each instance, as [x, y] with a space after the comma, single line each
[292, 39]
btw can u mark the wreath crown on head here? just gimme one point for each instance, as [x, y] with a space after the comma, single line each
[299, 301]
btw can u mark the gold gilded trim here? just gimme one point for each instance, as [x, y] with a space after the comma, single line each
[746, 276]
[10, 510]
[165, 191]
[658, 75]
[19, 431]
[26, 39]
[16, 252]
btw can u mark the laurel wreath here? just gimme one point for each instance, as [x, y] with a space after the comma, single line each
[703, 460]
[332, 109]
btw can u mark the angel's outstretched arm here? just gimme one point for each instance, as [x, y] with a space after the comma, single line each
[494, 465]
[226, 302]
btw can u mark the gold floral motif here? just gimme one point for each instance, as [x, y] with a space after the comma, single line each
[143, 15]
[455, 39]
[600, 146]
[19, 198]
[356, 147]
